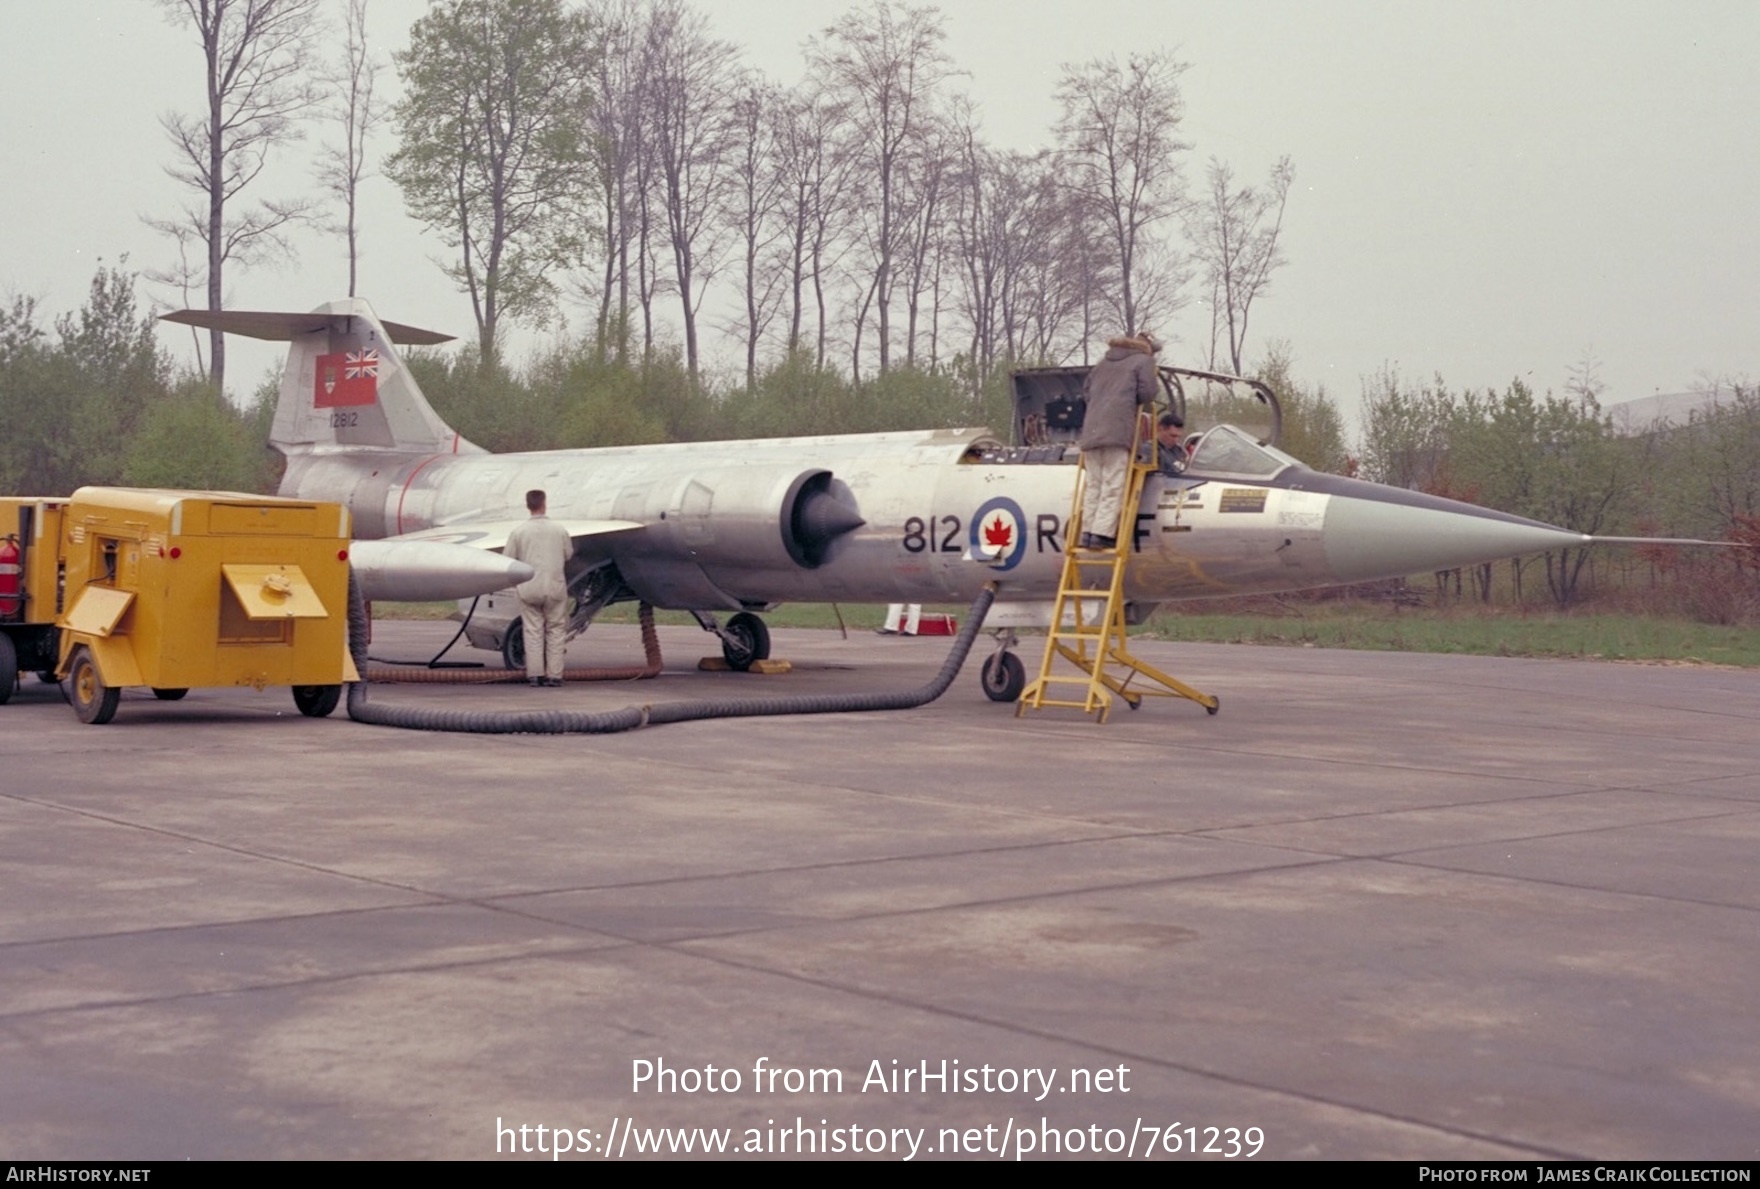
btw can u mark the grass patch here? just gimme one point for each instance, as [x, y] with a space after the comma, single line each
[394, 610]
[1341, 624]
[1587, 634]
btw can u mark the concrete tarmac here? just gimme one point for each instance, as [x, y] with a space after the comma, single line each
[1382, 906]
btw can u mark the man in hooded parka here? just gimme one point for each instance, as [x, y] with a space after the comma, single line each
[1115, 388]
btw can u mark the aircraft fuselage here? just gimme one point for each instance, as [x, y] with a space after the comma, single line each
[942, 514]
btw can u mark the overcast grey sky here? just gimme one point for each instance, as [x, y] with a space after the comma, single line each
[1484, 190]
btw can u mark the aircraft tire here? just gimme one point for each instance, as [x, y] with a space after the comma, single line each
[8, 667]
[513, 647]
[1004, 677]
[169, 695]
[93, 701]
[317, 701]
[745, 642]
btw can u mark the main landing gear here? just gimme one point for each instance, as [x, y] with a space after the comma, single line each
[745, 639]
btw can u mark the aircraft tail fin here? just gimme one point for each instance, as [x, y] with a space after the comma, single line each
[344, 384]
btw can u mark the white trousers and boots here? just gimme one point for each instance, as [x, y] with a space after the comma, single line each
[546, 628]
[1107, 468]
[902, 619]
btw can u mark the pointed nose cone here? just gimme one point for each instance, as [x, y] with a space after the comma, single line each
[1388, 533]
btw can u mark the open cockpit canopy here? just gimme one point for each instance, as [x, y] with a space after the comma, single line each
[1049, 407]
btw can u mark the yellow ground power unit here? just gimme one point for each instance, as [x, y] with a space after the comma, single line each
[174, 590]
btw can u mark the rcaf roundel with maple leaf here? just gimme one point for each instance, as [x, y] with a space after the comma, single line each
[999, 530]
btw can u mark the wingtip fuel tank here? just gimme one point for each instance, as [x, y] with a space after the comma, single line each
[431, 571]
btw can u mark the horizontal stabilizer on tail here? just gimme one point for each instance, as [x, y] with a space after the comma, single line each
[345, 386]
[277, 327]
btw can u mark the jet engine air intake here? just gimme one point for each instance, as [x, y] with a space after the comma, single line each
[749, 516]
[818, 515]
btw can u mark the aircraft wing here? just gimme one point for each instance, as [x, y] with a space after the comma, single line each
[493, 534]
[455, 561]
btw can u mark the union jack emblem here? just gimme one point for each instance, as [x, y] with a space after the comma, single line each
[361, 365]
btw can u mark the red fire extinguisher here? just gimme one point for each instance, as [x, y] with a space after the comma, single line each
[11, 578]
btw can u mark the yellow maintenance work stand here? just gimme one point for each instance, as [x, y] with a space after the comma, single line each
[176, 589]
[1087, 653]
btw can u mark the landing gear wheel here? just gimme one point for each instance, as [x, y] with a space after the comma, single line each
[513, 647]
[1004, 677]
[316, 701]
[8, 667]
[745, 641]
[169, 695]
[93, 701]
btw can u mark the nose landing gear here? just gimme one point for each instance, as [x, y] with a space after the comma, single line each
[1004, 676]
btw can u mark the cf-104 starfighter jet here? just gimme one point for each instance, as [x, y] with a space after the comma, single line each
[735, 528]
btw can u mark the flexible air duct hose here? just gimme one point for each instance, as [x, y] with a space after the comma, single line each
[564, 722]
[419, 674]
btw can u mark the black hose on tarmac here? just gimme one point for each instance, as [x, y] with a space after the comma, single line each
[565, 722]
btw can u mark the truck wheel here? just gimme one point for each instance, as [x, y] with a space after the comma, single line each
[93, 701]
[1004, 677]
[8, 667]
[316, 701]
[169, 695]
[745, 641]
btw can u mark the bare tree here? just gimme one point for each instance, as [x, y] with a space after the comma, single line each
[256, 53]
[815, 170]
[622, 151]
[884, 65]
[1235, 232]
[998, 228]
[1583, 381]
[981, 242]
[923, 232]
[1082, 271]
[688, 76]
[341, 168]
[755, 207]
[1118, 131]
